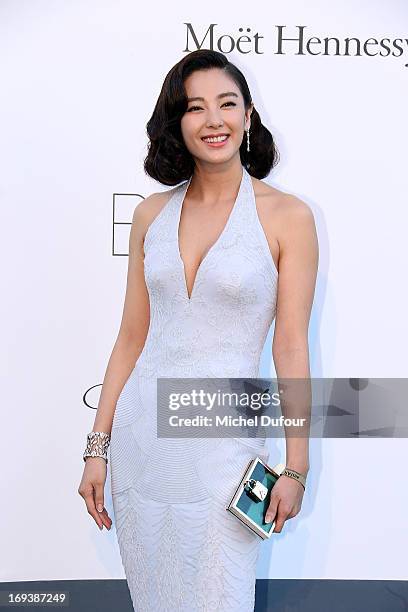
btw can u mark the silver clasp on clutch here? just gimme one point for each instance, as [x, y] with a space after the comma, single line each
[256, 489]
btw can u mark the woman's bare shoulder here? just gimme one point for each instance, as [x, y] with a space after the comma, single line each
[147, 210]
[286, 219]
[281, 205]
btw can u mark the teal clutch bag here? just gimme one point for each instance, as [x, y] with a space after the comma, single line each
[252, 496]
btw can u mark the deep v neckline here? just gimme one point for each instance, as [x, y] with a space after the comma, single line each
[213, 246]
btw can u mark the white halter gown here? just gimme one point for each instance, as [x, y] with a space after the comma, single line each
[181, 550]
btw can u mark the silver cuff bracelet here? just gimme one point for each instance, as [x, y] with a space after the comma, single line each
[97, 445]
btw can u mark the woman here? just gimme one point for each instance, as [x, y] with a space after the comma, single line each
[202, 292]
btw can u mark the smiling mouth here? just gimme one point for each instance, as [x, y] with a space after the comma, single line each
[215, 139]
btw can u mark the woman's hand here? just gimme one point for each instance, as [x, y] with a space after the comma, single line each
[286, 501]
[91, 489]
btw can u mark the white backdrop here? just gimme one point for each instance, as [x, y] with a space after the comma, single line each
[79, 82]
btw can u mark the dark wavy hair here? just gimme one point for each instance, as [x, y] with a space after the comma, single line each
[168, 160]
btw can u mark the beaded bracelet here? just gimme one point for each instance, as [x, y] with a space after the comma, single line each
[97, 445]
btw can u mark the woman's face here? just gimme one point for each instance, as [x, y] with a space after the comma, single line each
[213, 113]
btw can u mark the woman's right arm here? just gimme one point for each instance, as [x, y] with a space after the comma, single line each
[128, 346]
[135, 318]
[133, 328]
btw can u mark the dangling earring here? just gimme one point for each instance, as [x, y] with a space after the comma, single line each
[247, 139]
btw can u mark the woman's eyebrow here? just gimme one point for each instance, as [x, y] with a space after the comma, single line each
[221, 95]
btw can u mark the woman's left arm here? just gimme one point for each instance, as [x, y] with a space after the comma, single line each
[298, 263]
